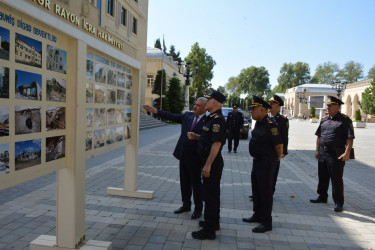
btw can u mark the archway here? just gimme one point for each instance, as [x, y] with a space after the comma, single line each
[355, 104]
[348, 105]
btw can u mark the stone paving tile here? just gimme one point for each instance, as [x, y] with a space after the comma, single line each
[28, 210]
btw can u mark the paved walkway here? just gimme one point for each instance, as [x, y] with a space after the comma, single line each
[28, 210]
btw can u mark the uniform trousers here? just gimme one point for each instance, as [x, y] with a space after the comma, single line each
[261, 184]
[191, 182]
[275, 174]
[329, 167]
[233, 135]
[211, 194]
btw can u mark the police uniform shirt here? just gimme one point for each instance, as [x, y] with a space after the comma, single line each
[264, 137]
[235, 120]
[334, 132]
[283, 123]
[213, 130]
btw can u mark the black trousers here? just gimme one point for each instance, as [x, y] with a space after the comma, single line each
[275, 174]
[191, 182]
[233, 135]
[211, 194]
[329, 167]
[262, 187]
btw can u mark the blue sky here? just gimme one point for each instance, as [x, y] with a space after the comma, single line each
[29, 146]
[243, 33]
[31, 42]
[4, 34]
[25, 78]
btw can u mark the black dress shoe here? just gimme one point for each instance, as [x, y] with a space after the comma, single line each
[250, 219]
[261, 229]
[318, 200]
[196, 215]
[202, 223]
[251, 196]
[338, 208]
[182, 210]
[203, 234]
[229, 150]
[235, 151]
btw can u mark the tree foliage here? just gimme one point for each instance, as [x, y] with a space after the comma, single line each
[222, 90]
[254, 81]
[174, 96]
[292, 75]
[157, 44]
[326, 73]
[368, 100]
[175, 55]
[351, 72]
[160, 79]
[371, 73]
[233, 86]
[204, 75]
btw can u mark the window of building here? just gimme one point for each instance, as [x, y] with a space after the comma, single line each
[110, 7]
[123, 16]
[150, 81]
[134, 25]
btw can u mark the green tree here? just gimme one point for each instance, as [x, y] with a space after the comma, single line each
[233, 86]
[368, 100]
[292, 75]
[159, 80]
[204, 74]
[254, 80]
[174, 96]
[351, 72]
[173, 54]
[233, 99]
[312, 112]
[357, 116]
[222, 90]
[301, 74]
[326, 73]
[371, 73]
[157, 44]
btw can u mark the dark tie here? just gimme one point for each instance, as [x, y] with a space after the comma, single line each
[194, 123]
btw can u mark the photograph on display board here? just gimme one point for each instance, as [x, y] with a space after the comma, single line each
[89, 92]
[111, 116]
[99, 117]
[100, 73]
[56, 89]
[120, 97]
[99, 138]
[28, 51]
[55, 118]
[89, 70]
[128, 115]
[128, 99]
[89, 117]
[119, 134]
[4, 82]
[4, 43]
[110, 135]
[28, 85]
[99, 94]
[4, 121]
[4, 158]
[27, 119]
[120, 116]
[129, 81]
[28, 153]
[111, 96]
[55, 148]
[56, 59]
[111, 77]
[89, 140]
[121, 79]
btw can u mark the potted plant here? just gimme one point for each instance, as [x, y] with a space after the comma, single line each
[358, 123]
[312, 115]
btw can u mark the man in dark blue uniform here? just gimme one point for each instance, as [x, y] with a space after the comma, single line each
[211, 142]
[186, 152]
[333, 145]
[234, 128]
[283, 123]
[266, 148]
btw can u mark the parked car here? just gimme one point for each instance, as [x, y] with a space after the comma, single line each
[246, 124]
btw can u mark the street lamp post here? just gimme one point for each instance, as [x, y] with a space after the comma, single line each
[302, 99]
[185, 70]
[339, 87]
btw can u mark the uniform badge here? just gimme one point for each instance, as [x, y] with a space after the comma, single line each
[274, 131]
[216, 128]
[205, 128]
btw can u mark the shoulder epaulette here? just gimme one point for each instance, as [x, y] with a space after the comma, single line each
[269, 120]
[344, 115]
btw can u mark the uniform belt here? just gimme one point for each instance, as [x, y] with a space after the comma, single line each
[331, 149]
[264, 157]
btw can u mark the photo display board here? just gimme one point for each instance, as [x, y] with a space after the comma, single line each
[109, 88]
[34, 86]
